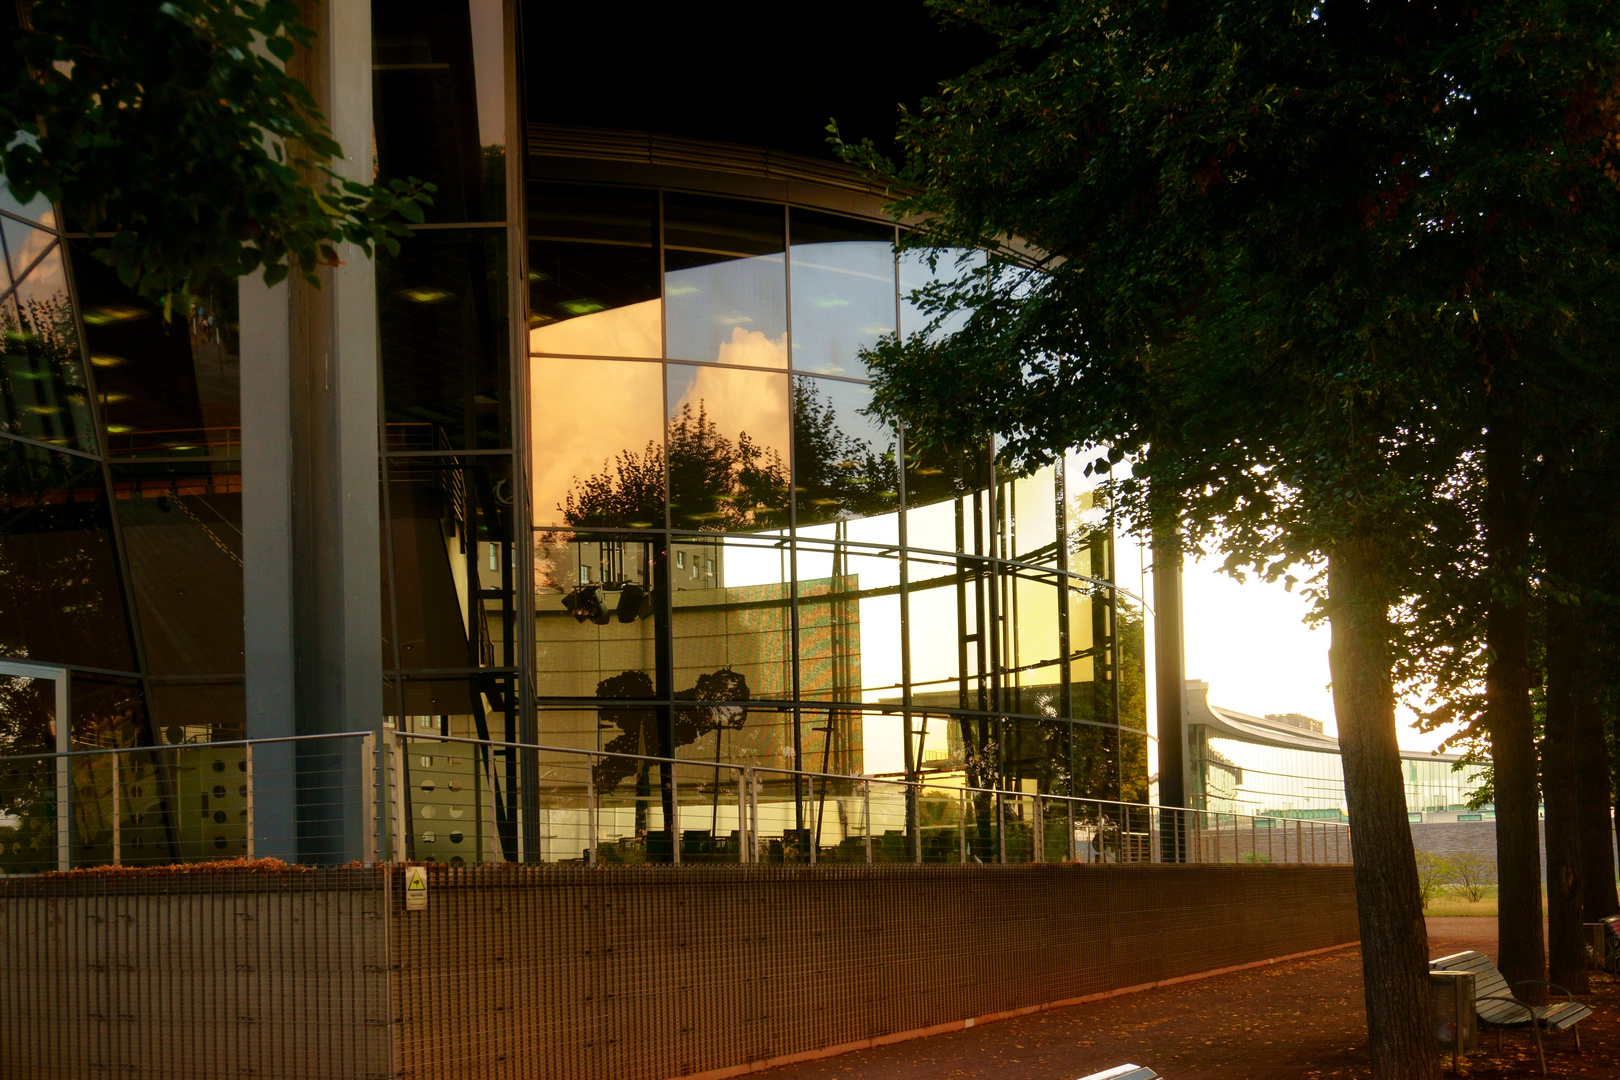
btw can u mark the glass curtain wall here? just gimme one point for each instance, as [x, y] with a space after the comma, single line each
[120, 551]
[735, 564]
[451, 498]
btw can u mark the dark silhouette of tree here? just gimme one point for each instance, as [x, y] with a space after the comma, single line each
[715, 483]
[716, 702]
[837, 475]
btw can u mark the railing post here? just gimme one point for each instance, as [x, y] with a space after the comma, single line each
[812, 837]
[368, 784]
[1299, 840]
[117, 816]
[478, 804]
[397, 787]
[247, 769]
[916, 820]
[674, 822]
[590, 811]
[1001, 827]
[961, 822]
[866, 810]
[1038, 846]
[753, 816]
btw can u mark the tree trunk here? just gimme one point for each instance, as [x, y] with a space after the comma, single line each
[1507, 687]
[1594, 785]
[1566, 952]
[1394, 940]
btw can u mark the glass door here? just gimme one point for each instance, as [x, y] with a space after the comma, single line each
[35, 820]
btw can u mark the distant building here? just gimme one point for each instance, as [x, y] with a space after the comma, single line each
[1283, 765]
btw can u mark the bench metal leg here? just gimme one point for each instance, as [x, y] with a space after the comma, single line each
[1577, 1030]
[1535, 1029]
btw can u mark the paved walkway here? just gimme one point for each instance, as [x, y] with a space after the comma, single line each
[1304, 1019]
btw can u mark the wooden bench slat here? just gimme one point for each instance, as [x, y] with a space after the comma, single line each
[1490, 987]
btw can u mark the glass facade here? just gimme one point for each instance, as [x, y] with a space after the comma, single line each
[631, 499]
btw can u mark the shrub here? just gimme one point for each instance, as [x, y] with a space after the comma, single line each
[1472, 875]
[1434, 872]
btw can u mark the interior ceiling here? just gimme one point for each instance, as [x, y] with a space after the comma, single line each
[738, 72]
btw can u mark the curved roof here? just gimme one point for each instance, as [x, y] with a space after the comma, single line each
[1257, 729]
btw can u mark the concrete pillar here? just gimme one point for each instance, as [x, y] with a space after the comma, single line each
[311, 518]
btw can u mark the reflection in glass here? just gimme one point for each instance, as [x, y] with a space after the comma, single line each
[1031, 655]
[725, 284]
[452, 587]
[731, 641]
[43, 392]
[593, 272]
[843, 291]
[947, 499]
[169, 387]
[28, 842]
[442, 319]
[61, 601]
[109, 712]
[923, 276]
[191, 712]
[728, 442]
[182, 530]
[849, 624]
[598, 443]
[23, 245]
[594, 625]
[38, 208]
[459, 798]
[1027, 512]
[844, 463]
[439, 72]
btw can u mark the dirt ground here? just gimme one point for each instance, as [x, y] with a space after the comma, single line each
[1296, 1021]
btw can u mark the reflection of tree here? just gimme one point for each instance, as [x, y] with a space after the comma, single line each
[716, 703]
[837, 475]
[42, 388]
[714, 482]
[27, 788]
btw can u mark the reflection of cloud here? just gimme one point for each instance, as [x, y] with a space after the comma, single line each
[751, 348]
[633, 330]
[585, 412]
[736, 401]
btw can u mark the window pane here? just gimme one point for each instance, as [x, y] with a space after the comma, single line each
[725, 281]
[593, 272]
[732, 629]
[213, 711]
[1031, 656]
[61, 601]
[947, 499]
[182, 530]
[849, 624]
[450, 522]
[1028, 508]
[24, 244]
[597, 443]
[459, 798]
[442, 318]
[594, 625]
[845, 464]
[916, 274]
[43, 392]
[38, 208]
[169, 388]
[439, 72]
[728, 449]
[843, 291]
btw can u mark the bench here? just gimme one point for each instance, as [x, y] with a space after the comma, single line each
[1496, 1005]
[1125, 1072]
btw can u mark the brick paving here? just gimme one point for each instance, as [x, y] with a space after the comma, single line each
[1300, 1019]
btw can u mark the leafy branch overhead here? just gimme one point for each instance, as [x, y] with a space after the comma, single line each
[177, 128]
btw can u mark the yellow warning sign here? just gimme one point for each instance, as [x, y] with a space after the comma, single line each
[415, 888]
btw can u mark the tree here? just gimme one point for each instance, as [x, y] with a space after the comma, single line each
[177, 127]
[1269, 272]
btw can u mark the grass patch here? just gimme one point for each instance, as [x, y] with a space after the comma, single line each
[1451, 903]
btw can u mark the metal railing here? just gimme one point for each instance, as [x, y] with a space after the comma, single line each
[406, 796]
